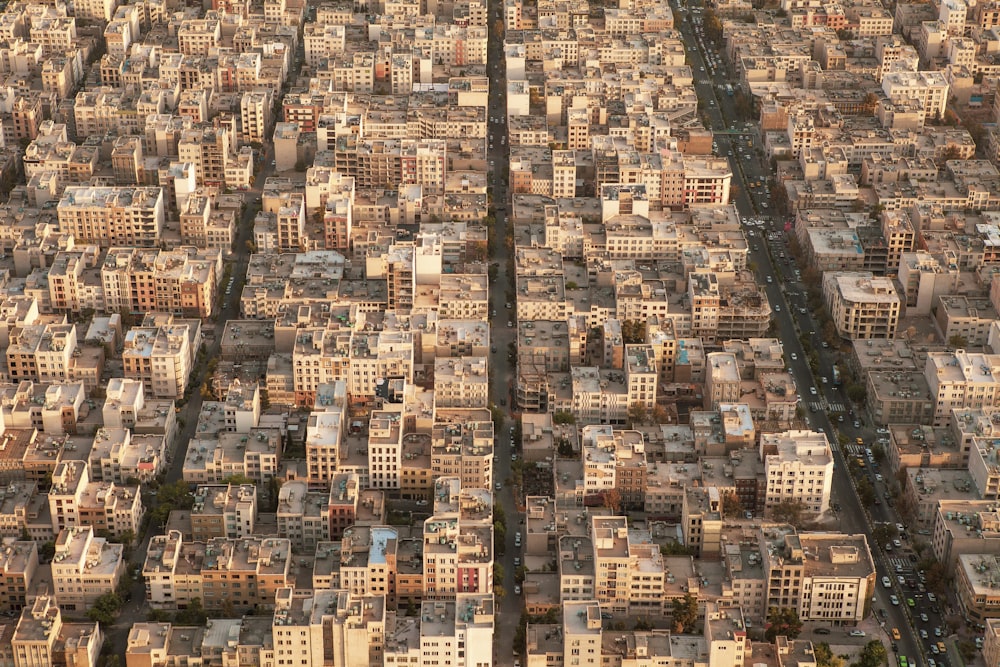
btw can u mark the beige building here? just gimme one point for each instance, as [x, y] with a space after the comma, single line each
[960, 379]
[861, 305]
[113, 215]
[228, 511]
[240, 573]
[798, 466]
[42, 639]
[824, 576]
[161, 357]
[84, 568]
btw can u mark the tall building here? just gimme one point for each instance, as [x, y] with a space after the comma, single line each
[798, 467]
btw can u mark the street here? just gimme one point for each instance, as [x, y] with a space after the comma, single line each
[501, 337]
[752, 203]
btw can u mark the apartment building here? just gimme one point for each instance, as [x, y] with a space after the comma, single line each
[613, 460]
[977, 580]
[824, 576]
[961, 379]
[75, 501]
[223, 573]
[964, 527]
[798, 467]
[255, 455]
[303, 516]
[461, 446]
[84, 568]
[209, 150]
[113, 215]
[41, 352]
[929, 89]
[458, 558]
[18, 565]
[325, 431]
[161, 357]
[255, 116]
[41, 638]
[223, 510]
[306, 628]
[861, 305]
[118, 455]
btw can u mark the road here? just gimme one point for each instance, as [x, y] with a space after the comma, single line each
[751, 202]
[501, 336]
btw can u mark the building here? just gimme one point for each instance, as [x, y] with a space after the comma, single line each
[113, 215]
[84, 568]
[223, 573]
[861, 305]
[798, 467]
[228, 511]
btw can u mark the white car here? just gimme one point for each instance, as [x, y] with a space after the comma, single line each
[857, 633]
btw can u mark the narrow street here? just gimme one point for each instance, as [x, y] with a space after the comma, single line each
[501, 336]
[134, 608]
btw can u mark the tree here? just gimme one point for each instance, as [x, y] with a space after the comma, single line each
[873, 655]
[782, 622]
[193, 615]
[499, 534]
[675, 549]
[825, 657]
[866, 492]
[105, 608]
[498, 571]
[637, 414]
[633, 332]
[731, 507]
[788, 511]
[661, 415]
[612, 499]
[857, 393]
[685, 614]
[563, 417]
[958, 341]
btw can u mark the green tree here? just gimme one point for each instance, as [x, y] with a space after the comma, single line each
[499, 538]
[873, 655]
[857, 392]
[866, 492]
[563, 417]
[193, 615]
[685, 614]
[958, 341]
[674, 548]
[825, 657]
[782, 622]
[498, 571]
[788, 511]
[105, 608]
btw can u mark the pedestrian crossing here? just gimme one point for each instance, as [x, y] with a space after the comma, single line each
[901, 565]
[823, 406]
